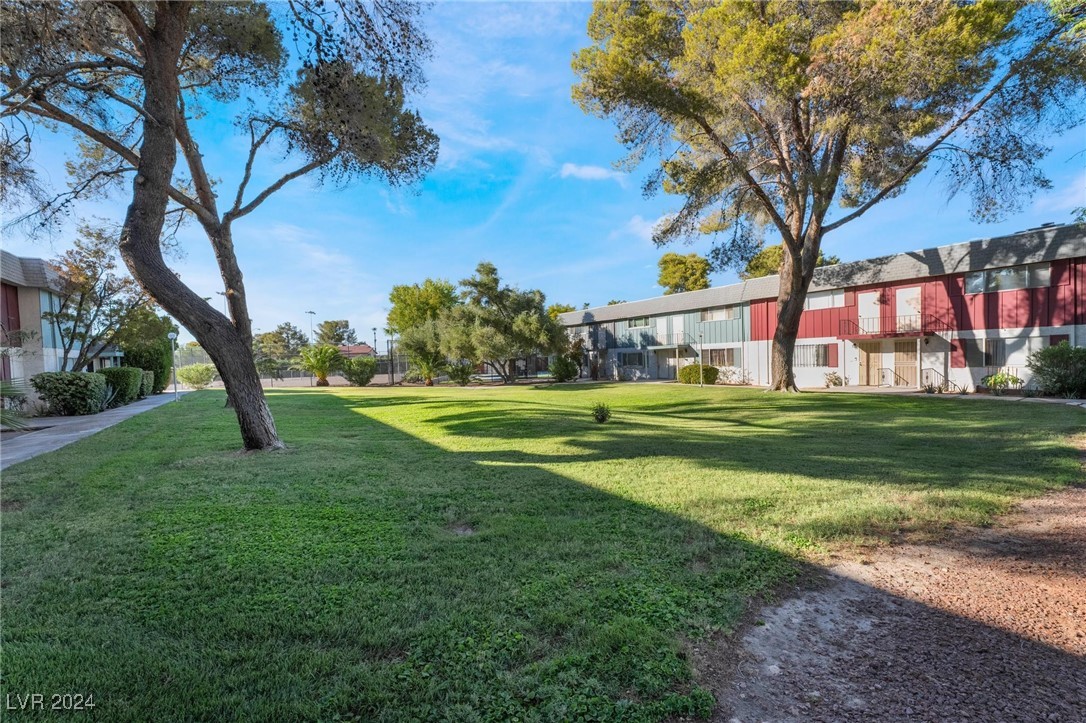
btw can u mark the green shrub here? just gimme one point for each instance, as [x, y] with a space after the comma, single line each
[70, 393]
[156, 357]
[148, 386]
[1001, 381]
[601, 412]
[460, 373]
[564, 369]
[692, 374]
[359, 371]
[197, 376]
[1060, 370]
[126, 380]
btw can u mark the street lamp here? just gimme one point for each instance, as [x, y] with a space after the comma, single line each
[172, 336]
[311, 315]
[312, 339]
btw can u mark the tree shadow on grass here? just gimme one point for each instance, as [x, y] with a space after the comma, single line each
[428, 583]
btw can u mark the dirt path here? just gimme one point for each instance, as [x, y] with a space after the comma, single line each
[988, 625]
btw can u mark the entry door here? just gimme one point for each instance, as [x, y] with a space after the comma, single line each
[908, 309]
[869, 363]
[666, 365]
[905, 356]
[678, 337]
[868, 308]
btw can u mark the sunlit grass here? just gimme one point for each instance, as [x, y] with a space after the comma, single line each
[467, 554]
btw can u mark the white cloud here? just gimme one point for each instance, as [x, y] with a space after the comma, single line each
[639, 227]
[592, 173]
[1068, 198]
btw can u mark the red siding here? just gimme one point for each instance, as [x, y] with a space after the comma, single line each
[1061, 304]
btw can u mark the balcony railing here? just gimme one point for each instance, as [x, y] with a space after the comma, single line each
[909, 325]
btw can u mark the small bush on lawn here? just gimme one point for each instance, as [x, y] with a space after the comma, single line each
[601, 412]
[197, 376]
[126, 380]
[1060, 370]
[563, 369]
[460, 373]
[359, 371]
[692, 374]
[70, 393]
[148, 386]
[1000, 381]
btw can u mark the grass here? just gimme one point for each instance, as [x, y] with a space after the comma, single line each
[467, 554]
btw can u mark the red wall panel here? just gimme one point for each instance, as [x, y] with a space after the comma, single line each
[944, 297]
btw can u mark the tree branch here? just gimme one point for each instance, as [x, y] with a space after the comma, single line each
[927, 151]
[254, 145]
[263, 195]
[753, 185]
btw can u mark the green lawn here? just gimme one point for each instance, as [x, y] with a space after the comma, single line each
[467, 554]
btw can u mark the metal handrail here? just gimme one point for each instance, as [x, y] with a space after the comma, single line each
[872, 325]
[893, 377]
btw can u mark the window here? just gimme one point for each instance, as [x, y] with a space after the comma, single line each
[974, 283]
[723, 313]
[825, 300]
[639, 322]
[815, 355]
[1040, 276]
[995, 352]
[723, 357]
[1057, 339]
[631, 359]
[1008, 279]
[1034, 276]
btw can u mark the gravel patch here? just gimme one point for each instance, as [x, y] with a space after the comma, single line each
[985, 625]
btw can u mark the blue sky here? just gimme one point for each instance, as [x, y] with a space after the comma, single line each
[524, 180]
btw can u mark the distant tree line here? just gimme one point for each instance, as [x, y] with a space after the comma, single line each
[444, 328]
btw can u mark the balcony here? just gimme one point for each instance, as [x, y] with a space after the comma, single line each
[885, 327]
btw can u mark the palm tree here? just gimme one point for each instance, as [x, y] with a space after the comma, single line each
[321, 360]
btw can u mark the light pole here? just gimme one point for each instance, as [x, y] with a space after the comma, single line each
[172, 336]
[312, 339]
[701, 357]
[311, 315]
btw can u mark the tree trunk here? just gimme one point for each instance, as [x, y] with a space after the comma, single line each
[140, 238]
[795, 278]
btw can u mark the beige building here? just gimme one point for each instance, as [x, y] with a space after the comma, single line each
[29, 343]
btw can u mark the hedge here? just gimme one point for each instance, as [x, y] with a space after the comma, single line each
[691, 375]
[156, 357]
[147, 388]
[126, 381]
[70, 393]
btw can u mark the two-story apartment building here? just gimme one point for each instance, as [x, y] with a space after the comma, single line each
[953, 313]
[32, 344]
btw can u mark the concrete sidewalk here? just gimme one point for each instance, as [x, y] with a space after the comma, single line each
[62, 431]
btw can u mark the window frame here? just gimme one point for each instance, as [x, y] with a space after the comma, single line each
[729, 312]
[819, 356]
[632, 322]
[1034, 276]
[623, 356]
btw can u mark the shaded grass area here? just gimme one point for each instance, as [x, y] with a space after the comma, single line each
[467, 554]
